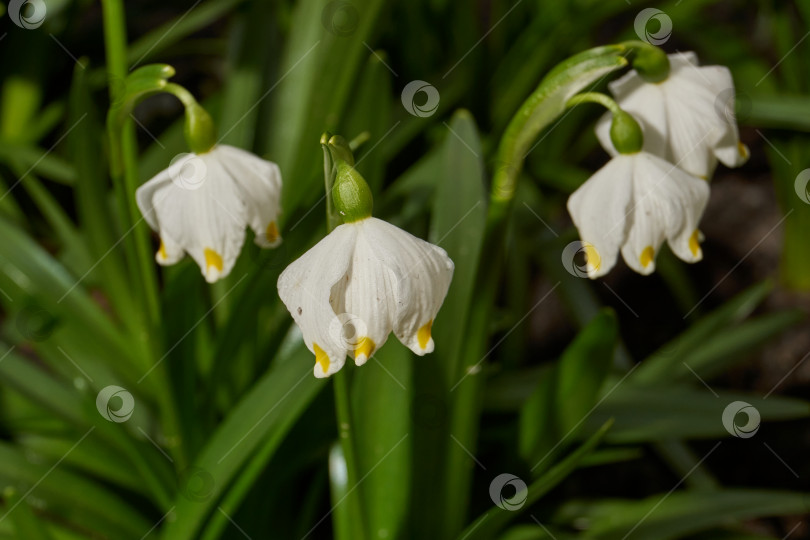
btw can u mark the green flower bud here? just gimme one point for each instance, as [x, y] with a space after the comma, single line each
[625, 133]
[199, 129]
[351, 194]
[651, 63]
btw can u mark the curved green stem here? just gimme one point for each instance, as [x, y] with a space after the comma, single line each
[346, 435]
[594, 97]
[124, 167]
[185, 97]
[124, 172]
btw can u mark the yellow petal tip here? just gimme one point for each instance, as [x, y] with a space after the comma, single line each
[212, 258]
[271, 233]
[694, 243]
[592, 258]
[743, 150]
[647, 256]
[423, 335]
[213, 265]
[321, 358]
[365, 347]
[162, 252]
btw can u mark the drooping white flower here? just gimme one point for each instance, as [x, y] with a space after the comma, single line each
[202, 203]
[687, 118]
[634, 203]
[363, 280]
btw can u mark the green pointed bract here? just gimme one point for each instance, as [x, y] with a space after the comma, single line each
[340, 149]
[351, 194]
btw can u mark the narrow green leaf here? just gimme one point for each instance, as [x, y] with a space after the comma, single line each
[373, 90]
[92, 197]
[658, 413]
[566, 396]
[680, 513]
[26, 523]
[457, 225]
[251, 50]
[40, 161]
[724, 349]
[381, 402]
[97, 508]
[489, 523]
[545, 104]
[92, 457]
[670, 357]
[36, 275]
[264, 414]
[171, 32]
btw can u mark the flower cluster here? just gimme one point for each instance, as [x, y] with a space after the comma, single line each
[657, 190]
[362, 281]
[368, 278]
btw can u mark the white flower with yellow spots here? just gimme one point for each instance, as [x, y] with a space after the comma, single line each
[362, 281]
[687, 118]
[634, 203]
[202, 203]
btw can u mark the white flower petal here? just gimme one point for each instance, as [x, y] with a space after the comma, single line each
[306, 288]
[667, 203]
[600, 209]
[690, 140]
[365, 299]
[727, 148]
[208, 220]
[259, 182]
[421, 274]
[145, 196]
[682, 117]
[680, 60]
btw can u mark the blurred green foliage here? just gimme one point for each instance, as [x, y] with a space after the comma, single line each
[231, 436]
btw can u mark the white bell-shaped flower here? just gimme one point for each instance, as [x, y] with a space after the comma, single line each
[363, 280]
[634, 203]
[202, 203]
[687, 118]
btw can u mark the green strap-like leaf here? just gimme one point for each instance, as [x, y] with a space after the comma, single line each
[489, 523]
